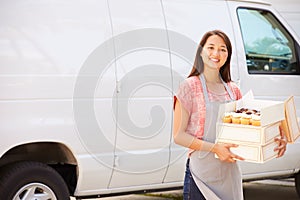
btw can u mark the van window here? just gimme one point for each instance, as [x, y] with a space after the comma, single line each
[269, 48]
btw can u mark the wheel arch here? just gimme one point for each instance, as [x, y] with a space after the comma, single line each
[56, 155]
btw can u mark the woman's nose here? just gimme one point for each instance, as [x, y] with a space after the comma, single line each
[216, 52]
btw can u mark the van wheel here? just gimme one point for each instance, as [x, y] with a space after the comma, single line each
[297, 183]
[32, 180]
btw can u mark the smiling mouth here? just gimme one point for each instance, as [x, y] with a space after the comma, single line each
[215, 60]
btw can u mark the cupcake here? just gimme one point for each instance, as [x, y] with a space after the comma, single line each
[227, 117]
[245, 119]
[255, 119]
[236, 118]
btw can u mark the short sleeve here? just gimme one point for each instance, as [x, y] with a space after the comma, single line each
[184, 95]
[236, 91]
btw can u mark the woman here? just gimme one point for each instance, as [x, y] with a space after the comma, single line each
[196, 107]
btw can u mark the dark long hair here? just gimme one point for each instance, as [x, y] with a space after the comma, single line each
[198, 66]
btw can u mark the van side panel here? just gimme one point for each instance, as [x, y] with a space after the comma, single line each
[43, 50]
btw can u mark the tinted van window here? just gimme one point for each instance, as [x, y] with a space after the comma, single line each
[269, 48]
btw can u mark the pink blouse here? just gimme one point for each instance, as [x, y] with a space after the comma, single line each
[190, 95]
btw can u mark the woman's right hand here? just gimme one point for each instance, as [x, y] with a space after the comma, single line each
[222, 150]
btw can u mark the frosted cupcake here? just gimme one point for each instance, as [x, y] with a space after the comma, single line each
[227, 117]
[236, 118]
[255, 119]
[245, 119]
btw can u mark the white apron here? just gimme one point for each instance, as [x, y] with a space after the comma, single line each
[214, 178]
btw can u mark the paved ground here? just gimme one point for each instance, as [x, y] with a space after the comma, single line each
[260, 190]
[270, 190]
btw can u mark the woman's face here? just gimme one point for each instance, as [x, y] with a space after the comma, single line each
[214, 52]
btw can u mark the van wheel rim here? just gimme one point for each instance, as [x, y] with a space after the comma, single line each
[35, 191]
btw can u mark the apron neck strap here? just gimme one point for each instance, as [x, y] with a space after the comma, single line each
[203, 83]
[228, 89]
[205, 91]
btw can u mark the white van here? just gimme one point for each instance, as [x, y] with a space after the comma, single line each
[87, 89]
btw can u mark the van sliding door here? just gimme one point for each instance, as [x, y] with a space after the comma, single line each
[144, 98]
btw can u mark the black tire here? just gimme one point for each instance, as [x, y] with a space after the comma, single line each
[33, 179]
[297, 183]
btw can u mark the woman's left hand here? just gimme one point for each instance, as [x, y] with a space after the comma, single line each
[281, 148]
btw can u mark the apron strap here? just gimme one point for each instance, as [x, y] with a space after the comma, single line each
[205, 91]
[228, 89]
[203, 83]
